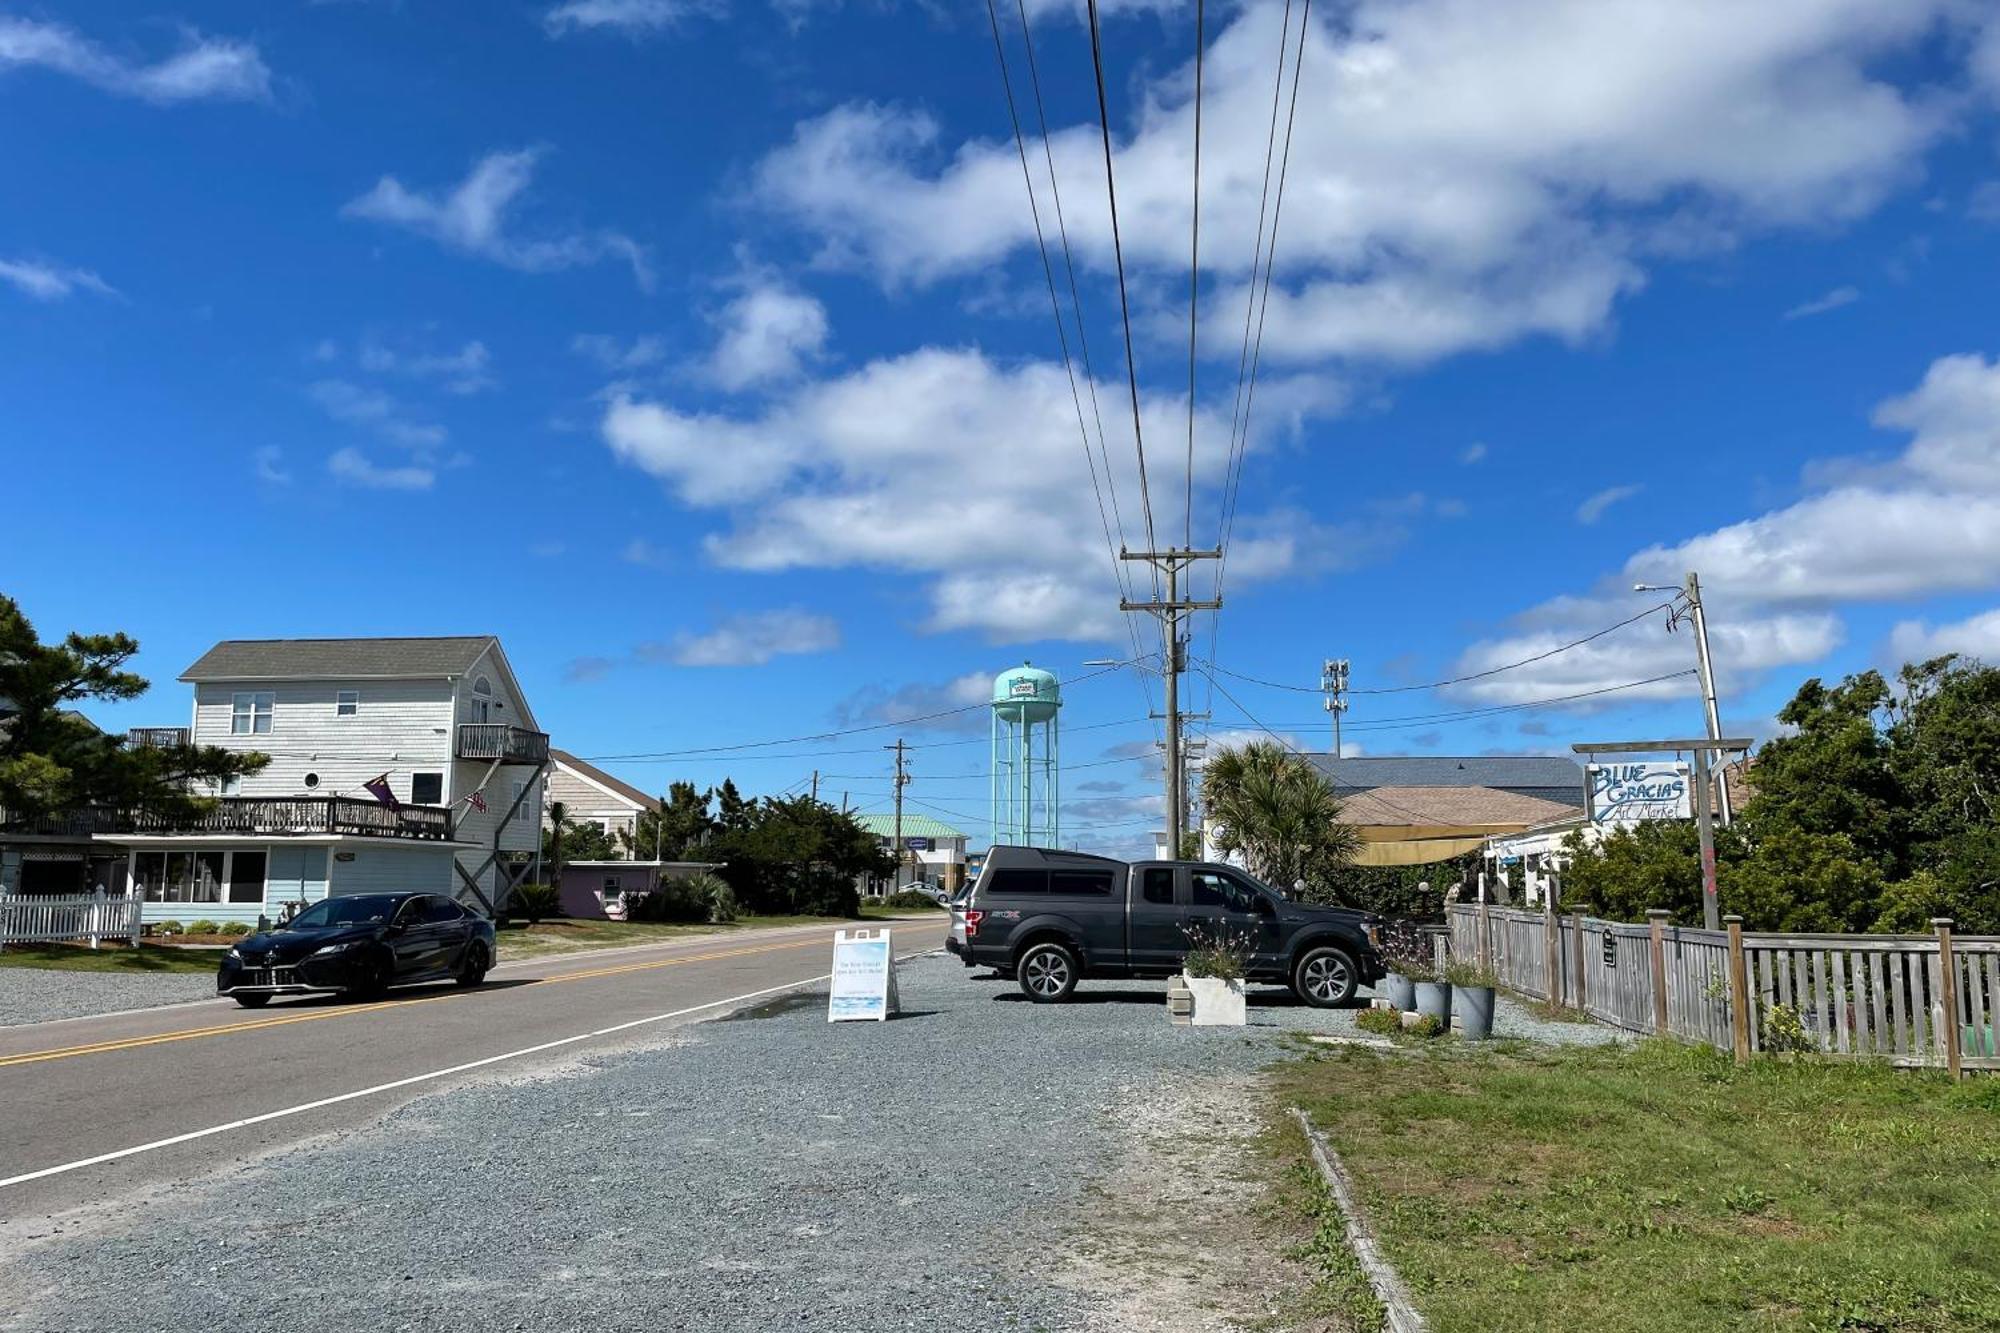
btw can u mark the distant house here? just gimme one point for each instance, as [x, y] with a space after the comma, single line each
[395, 764]
[599, 890]
[931, 846]
[593, 796]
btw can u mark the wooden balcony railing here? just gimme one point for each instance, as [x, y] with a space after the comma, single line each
[498, 740]
[258, 816]
[160, 738]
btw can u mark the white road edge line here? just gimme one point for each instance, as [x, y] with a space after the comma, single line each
[247, 1121]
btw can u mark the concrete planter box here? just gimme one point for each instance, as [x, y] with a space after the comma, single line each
[1218, 1003]
[1400, 992]
[1434, 998]
[1180, 1002]
[1474, 1006]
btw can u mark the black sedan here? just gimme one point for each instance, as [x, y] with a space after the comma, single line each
[360, 944]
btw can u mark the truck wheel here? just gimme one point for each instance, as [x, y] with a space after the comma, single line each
[1047, 972]
[1325, 978]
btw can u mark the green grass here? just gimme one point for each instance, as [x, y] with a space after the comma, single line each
[556, 935]
[147, 958]
[1661, 1187]
[1338, 1296]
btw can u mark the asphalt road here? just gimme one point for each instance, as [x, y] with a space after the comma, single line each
[93, 1107]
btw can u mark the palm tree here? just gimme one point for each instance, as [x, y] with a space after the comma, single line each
[1279, 812]
[559, 826]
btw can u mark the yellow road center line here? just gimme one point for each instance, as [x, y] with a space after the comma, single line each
[349, 1011]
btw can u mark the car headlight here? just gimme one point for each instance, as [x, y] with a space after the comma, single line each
[342, 947]
[234, 953]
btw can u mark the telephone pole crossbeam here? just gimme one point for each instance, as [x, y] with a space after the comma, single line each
[1170, 610]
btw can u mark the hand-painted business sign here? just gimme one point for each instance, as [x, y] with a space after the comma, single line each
[1634, 793]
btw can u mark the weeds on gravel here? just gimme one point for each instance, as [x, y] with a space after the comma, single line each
[1661, 1187]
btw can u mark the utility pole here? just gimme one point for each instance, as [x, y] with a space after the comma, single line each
[1333, 680]
[902, 780]
[1700, 617]
[1170, 611]
[815, 785]
[1190, 759]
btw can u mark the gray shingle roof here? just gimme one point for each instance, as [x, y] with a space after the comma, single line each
[338, 659]
[1534, 772]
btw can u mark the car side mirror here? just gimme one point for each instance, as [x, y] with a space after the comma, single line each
[395, 927]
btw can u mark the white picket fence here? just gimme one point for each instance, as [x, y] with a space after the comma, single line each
[37, 919]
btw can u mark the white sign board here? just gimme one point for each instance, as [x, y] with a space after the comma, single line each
[864, 976]
[1635, 793]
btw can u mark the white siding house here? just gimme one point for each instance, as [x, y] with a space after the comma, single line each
[441, 723]
[593, 796]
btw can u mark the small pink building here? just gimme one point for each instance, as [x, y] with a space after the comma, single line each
[596, 890]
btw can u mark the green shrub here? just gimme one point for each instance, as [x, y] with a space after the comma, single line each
[1383, 1021]
[1216, 954]
[673, 901]
[235, 928]
[1783, 1031]
[202, 926]
[171, 927]
[909, 898]
[1469, 972]
[535, 901]
[1427, 1025]
[714, 891]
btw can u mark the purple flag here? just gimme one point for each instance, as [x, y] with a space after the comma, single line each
[379, 789]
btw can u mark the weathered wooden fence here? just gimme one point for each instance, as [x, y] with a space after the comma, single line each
[35, 918]
[1910, 999]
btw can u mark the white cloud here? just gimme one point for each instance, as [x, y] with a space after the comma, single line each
[1918, 641]
[611, 354]
[269, 462]
[873, 704]
[355, 469]
[473, 216]
[766, 333]
[641, 552]
[1472, 453]
[1593, 508]
[1819, 305]
[854, 471]
[1925, 524]
[466, 371]
[45, 281]
[634, 18]
[1464, 173]
[205, 68]
[750, 639]
[358, 406]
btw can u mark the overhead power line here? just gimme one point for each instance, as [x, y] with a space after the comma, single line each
[1194, 259]
[1411, 720]
[1455, 680]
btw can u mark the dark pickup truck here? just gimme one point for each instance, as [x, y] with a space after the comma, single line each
[1050, 918]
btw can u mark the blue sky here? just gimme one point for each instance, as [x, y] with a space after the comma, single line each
[702, 351]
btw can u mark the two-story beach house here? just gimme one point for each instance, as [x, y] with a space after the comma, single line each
[395, 764]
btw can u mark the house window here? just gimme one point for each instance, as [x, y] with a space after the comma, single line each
[250, 712]
[482, 700]
[178, 877]
[246, 877]
[346, 703]
[426, 788]
[521, 801]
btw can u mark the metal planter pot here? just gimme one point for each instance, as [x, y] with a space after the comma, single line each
[1400, 992]
[1475, 1012]
[1434, 998]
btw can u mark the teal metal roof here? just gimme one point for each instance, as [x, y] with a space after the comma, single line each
[914, 826]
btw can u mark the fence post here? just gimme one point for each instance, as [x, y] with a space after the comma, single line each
[1948, 995]
[1552, 946]
[1581, 1001]
[1485, 951]
[1739, 991]
[135, 912]
[1656, 925]
[98, 907]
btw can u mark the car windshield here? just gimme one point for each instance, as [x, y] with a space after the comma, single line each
[361, 909]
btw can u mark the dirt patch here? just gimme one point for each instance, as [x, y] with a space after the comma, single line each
[1184, 1234]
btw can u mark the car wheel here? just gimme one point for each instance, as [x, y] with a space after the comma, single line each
[473, 970]
[252, 1001]
[1325, 978]
[1047, 972]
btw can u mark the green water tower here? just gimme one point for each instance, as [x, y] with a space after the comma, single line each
[1027, 703]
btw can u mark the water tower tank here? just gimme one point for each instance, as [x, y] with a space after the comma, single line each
[1026, 694]
[1027, 702]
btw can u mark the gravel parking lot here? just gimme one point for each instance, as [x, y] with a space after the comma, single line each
[35, 995]
[769, 1170]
